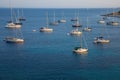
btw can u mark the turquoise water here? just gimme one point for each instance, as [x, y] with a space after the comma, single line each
[49, 56]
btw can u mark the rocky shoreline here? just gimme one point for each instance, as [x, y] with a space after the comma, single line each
[114, 14]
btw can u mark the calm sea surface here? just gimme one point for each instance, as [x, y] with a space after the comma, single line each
[49, 56]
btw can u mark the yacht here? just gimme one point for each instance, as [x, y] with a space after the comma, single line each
[14, 40]
[75, 32]
[46, 29]
[87, 29]
[76, 24]
[101, 40]
[54, 23]
[13, 25]
[113, 23]
[63, 20]
[101, 21]
[80, 49]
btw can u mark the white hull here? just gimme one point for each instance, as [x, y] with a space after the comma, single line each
[101, 41]
[87, 29]
[34, 30]
[113, 23]
[101, 21]
[75, 32]
[54, 23]
[62, 21]
[44, 29]
[12, 25]
[80, 50]
[13, 40]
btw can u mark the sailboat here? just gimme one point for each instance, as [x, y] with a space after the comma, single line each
[16, 38]
[18, 22]
[77, 24]
[62, 20]
[87, 28]
[11, 23]
[13, 40]
[101, 39]
[22, 18]
[54, 23]
[75, 18]
[80, 49]
[113, 22]
[101, 21]
[75, 32]
[46, 29]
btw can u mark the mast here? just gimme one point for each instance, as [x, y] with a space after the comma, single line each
[21, 34]
[11, 11]
[62, 15]
[77, 20]
[47, 19]
[87, 21]
[113, 14]
[22, 13]
[54, 16]
[80, 41]
[78, 17]
[17, 20]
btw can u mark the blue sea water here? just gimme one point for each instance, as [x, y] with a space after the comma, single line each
[49, 56]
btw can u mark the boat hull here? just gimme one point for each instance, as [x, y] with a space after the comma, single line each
[76, 33]
[80, 50]
[13, 40]
[101, 21]
[74, 19]
[102, 41]
[12, 25]
[62, 21]
[54, 23]
[87, 29]
[46, 30]
[113, 23]
[74, 25]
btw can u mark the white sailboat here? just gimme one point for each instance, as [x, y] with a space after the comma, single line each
[113, 22]
[80, 50]
[46, 29]
[63, 20]
[11, 23]
[87, 28]
[13, 40]
[75, 32]
[101, 21]
[54, 23]
[101, 39]
[17, 38]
